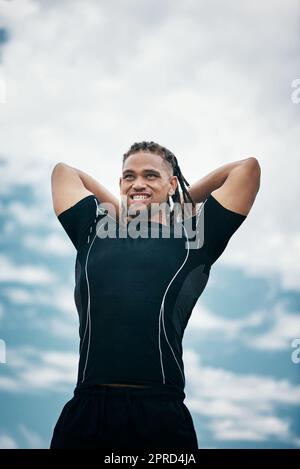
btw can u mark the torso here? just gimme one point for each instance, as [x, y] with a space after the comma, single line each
[125, 333]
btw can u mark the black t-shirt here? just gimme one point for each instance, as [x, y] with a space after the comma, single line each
[134, 295]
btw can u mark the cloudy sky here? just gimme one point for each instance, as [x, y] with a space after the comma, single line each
[214, 82]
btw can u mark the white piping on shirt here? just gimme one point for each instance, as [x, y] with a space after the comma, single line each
[86, 275]
[99, 211]
[88, 320]
[199, 212]
[161, 314]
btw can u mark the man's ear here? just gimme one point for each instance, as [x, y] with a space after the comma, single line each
[120, 180]
[174, 183]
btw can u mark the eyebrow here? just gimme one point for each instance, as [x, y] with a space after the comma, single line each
[131, 171]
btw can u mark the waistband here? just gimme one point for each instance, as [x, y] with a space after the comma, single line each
[154, 390]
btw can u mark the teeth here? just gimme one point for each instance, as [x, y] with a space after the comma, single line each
[140, 197]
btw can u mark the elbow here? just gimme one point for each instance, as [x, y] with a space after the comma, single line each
[58, 165]
[58, 168]
[253, 164]
[254, 170]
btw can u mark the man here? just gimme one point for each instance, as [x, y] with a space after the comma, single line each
[135, 294]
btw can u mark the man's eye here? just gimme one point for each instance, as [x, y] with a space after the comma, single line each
[151, 175]
[128, 176]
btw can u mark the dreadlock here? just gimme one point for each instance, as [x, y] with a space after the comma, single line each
[168, 156]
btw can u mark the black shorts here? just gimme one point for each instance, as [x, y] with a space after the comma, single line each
[119, 417]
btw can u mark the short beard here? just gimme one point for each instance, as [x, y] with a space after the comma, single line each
[145, 214]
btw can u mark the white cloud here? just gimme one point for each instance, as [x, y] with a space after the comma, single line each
[34, 369]
[8, 384]
[256, 429]
[61, 298]
[27, 215]
[204, 321]
[52, 244]
[240, 407]
[277, 252]
[7, 442]
[277, 327]
[22, 296]
[285, 327]
[63, 328]
[27, 274]
[32, 438]
[198, 82]
[63, 323]
[77, 96]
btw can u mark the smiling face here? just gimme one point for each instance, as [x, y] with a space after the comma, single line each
[146, 179]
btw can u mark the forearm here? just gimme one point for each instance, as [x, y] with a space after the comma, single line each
[201, 189]
[94, 186]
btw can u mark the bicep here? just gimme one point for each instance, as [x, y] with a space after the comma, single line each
[239, 191]
[67, 188]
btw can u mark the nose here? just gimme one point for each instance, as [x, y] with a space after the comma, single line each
[138, 184]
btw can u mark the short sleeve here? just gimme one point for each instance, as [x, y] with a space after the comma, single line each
[220, 224]
[77, 219]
